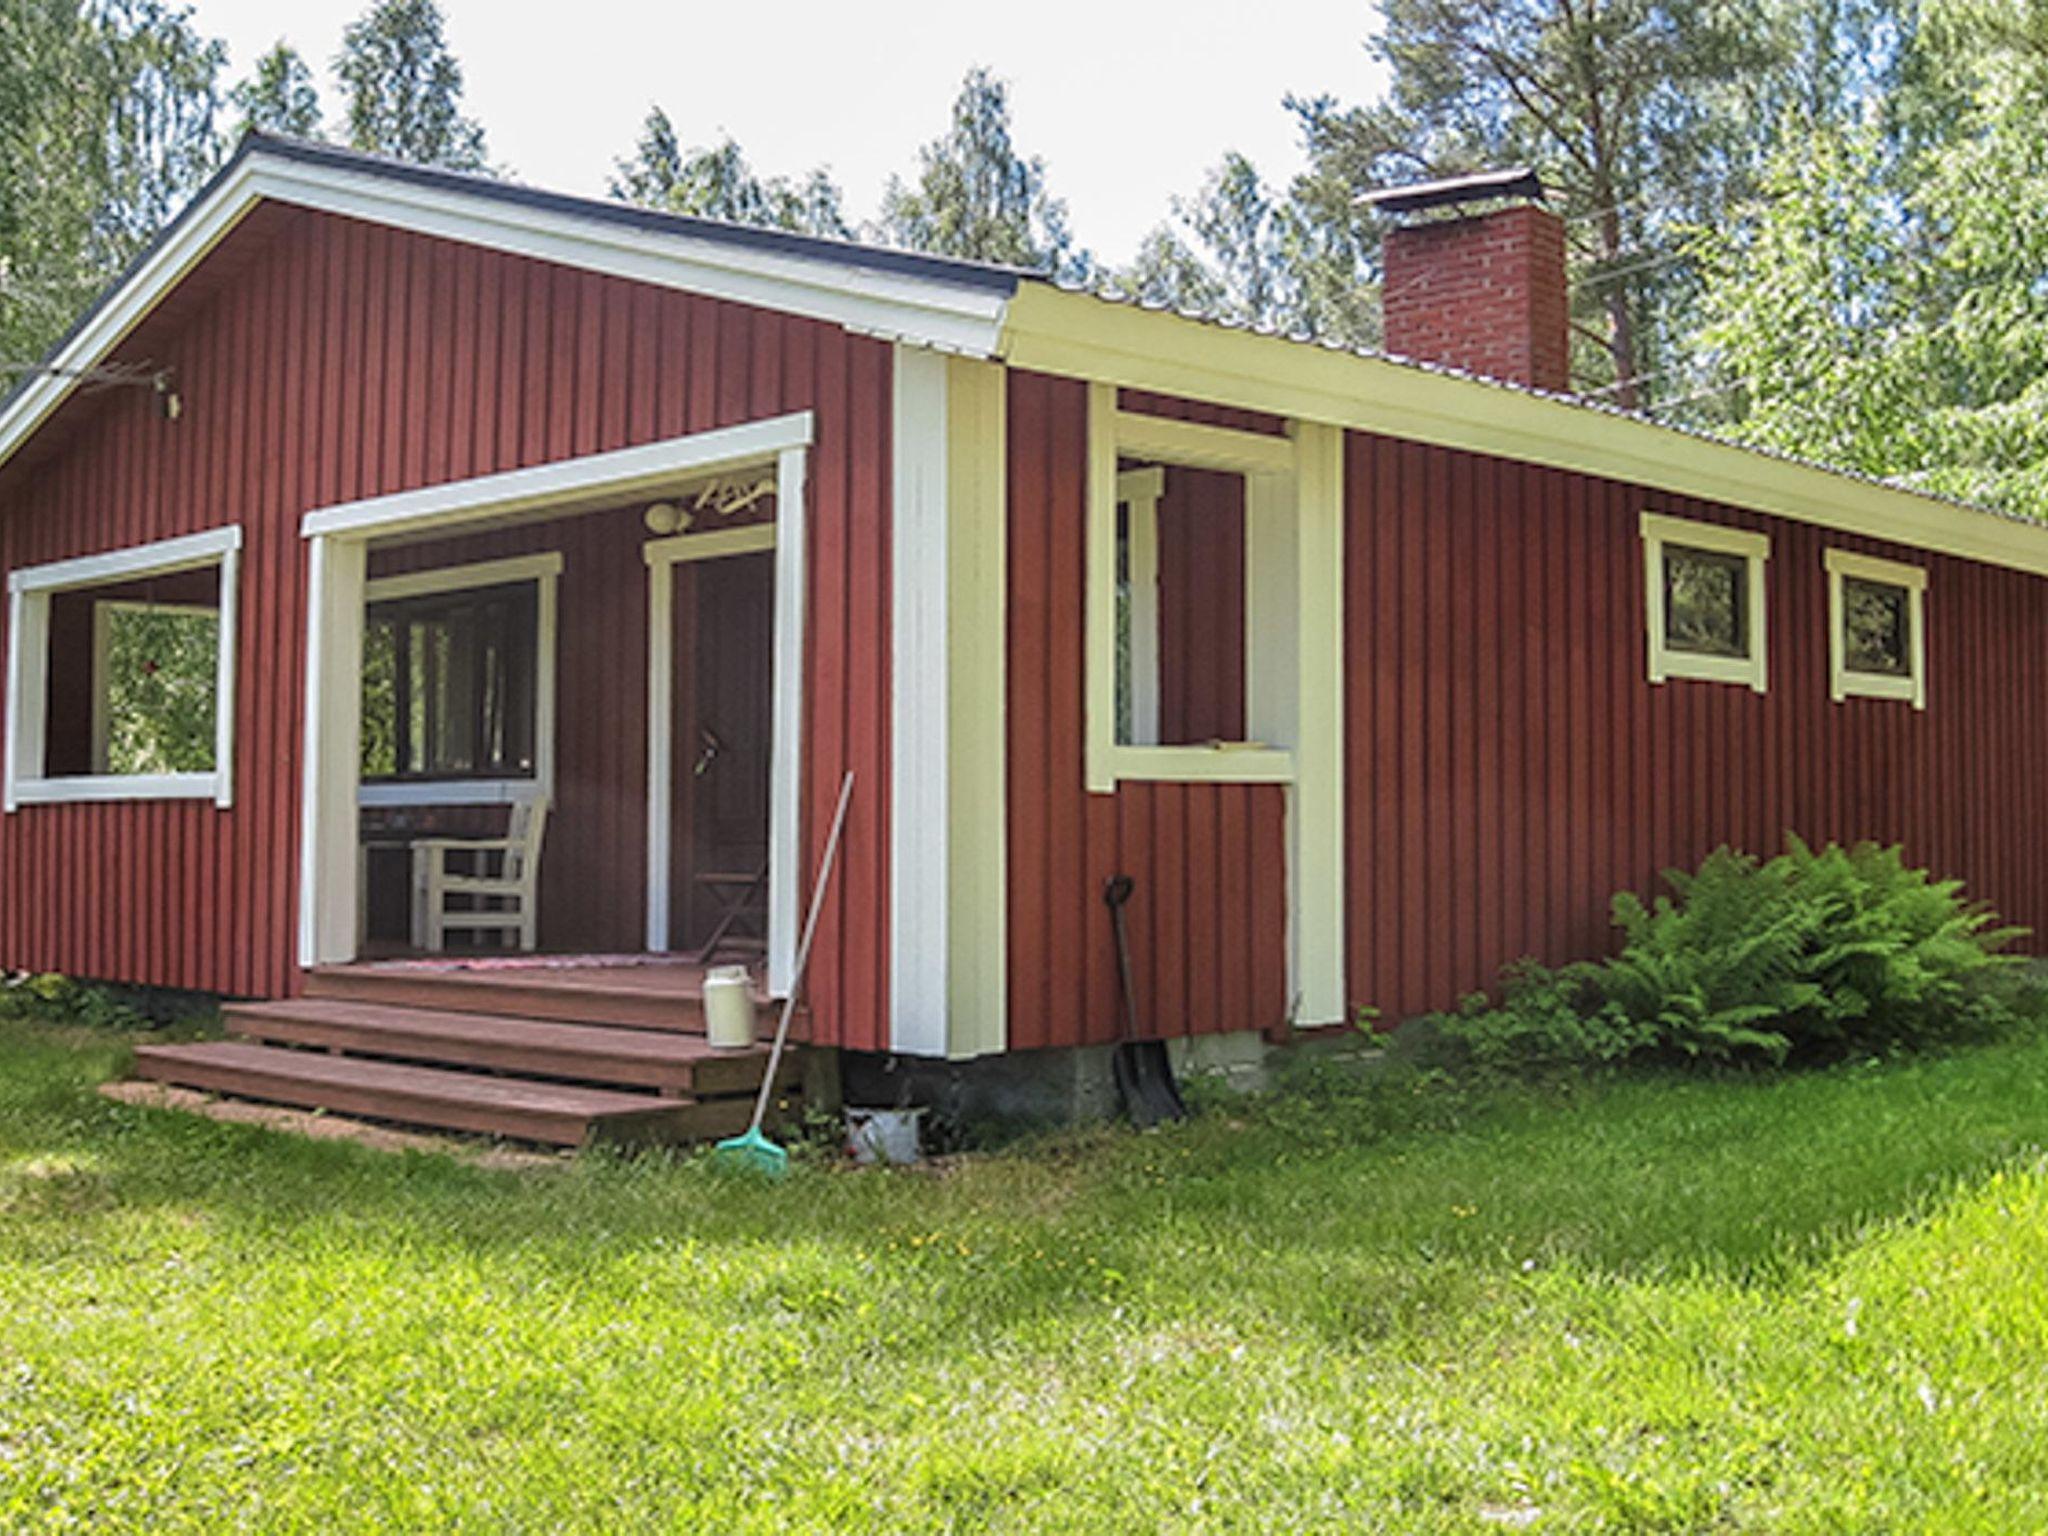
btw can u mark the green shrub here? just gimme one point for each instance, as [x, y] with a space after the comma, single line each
[1809, 957]
[50, 998]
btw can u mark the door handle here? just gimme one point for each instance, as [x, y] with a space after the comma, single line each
[708, 748]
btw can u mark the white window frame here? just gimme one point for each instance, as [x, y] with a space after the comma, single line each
[1665, 664]
[1844, 683]
[29, 590]
[545, 571]
[1274, 628]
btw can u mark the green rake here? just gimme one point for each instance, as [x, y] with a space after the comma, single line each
[751, 1149]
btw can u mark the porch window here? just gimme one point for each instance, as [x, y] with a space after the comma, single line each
[121, 679]
[1876, 631]
[1202, 641]
[458, 674]
[1704, 601]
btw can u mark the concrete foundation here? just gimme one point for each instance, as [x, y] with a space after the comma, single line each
[1071, 1085]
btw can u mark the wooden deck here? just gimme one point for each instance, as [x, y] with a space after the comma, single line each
[559, 1052]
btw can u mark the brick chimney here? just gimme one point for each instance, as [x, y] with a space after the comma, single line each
[1482, 292]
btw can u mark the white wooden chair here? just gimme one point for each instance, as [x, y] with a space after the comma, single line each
[496, 880]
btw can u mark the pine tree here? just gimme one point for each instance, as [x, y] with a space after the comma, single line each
[977, 198]
[1641, 113]
[404, 87]
[279, 96]
[718, 183]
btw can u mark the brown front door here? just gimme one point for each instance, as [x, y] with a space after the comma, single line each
[725, 676]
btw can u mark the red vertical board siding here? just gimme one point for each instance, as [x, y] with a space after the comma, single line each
[1201, 606]
[322, 360]
[1208, 919]
[1509, 765]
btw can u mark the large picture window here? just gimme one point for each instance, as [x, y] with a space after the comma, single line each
[1704, 601]
[458, 683]
[120, 684]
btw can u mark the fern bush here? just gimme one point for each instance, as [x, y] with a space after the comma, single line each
[1811, 956]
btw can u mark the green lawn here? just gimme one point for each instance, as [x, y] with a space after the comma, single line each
[1816, 1304]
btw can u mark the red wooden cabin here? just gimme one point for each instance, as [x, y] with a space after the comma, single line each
[1374, 674]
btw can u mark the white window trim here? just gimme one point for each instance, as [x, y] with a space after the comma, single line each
[1843, 683]
[28, 672]
[1753, 670]
[1269, 467]
[545, 571]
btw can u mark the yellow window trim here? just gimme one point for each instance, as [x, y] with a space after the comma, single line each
[1845, 684]
[1665, 664]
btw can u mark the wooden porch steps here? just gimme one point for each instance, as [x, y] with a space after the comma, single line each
[500, 1053]
[624, 997]
[559, 1114]
[522, 1047]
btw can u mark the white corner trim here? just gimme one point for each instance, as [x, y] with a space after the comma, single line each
[977, 519]
[28, 645]
[332, 754]
[920, 655]
[566, 485]
[165, 557]
[786, 537]
[1316, 824]
[1663, 663]
[1845, 683]
[544, 570]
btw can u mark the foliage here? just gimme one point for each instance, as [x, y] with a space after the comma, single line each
[1645, 117]
[977, 197]
[162, 669]
[279, 96]
[718, 183]
[50, 998]
[1804, 1305]
[107, 112]
[1812, 956]
[1879, 304]
[1243, 251]
[403, 87]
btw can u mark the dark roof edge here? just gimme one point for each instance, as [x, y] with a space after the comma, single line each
[984, 276]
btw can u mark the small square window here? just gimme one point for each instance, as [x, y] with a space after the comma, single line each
[1877, 628]
[1704, 601]
[1876, 642]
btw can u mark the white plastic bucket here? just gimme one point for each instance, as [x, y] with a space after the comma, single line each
[728, 1008]
[884, 1135]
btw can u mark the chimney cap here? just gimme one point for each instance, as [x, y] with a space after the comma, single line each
[1478, 187]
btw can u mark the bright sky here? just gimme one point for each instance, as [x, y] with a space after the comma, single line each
[1128, 101]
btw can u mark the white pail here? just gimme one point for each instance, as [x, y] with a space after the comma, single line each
[728, 1008]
